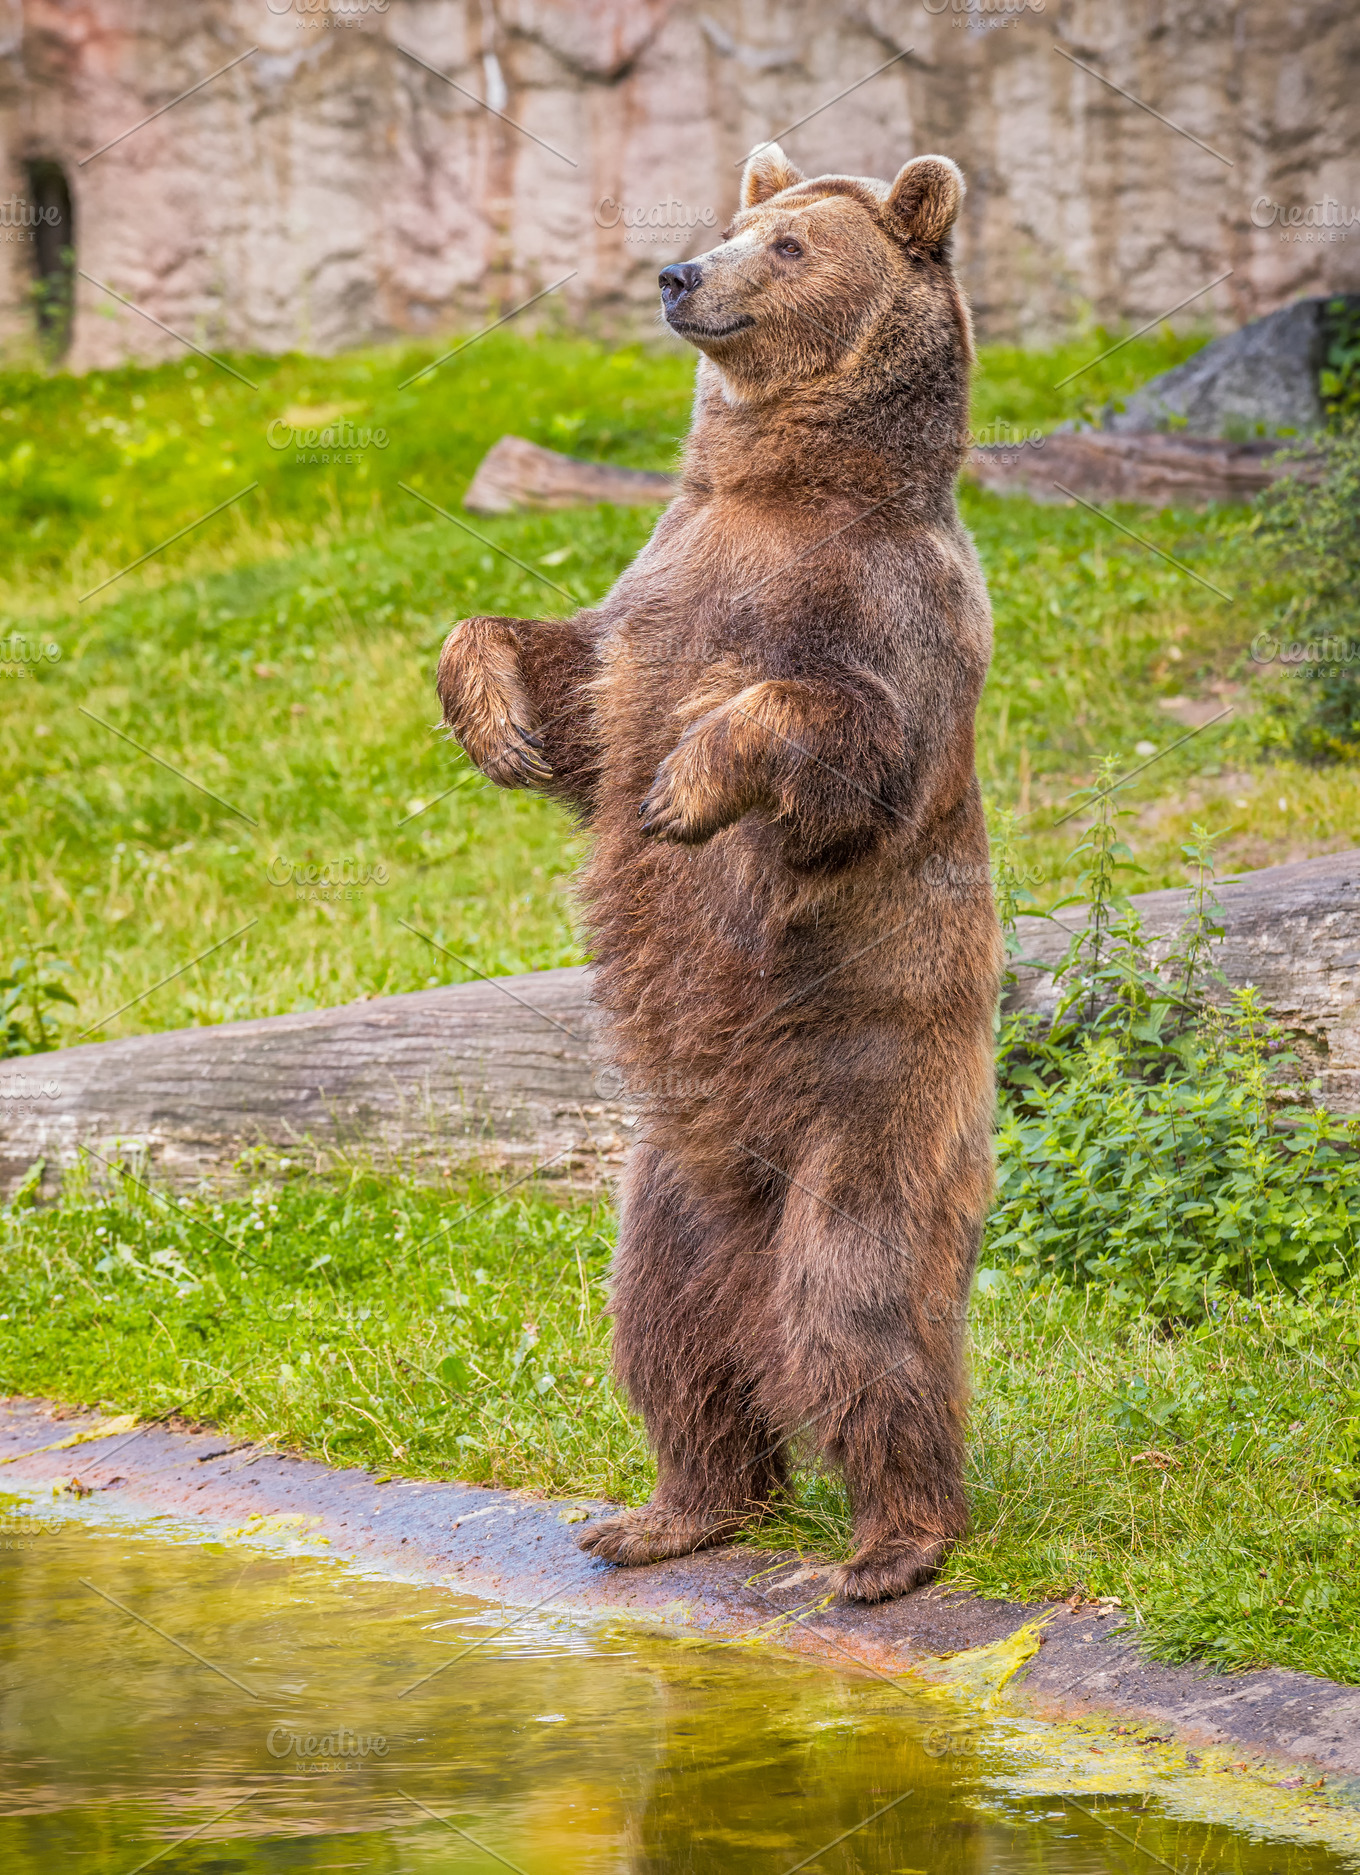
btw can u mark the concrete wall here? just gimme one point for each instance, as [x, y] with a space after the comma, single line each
[328, 191]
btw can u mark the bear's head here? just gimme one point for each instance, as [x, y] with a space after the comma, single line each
[827, 277]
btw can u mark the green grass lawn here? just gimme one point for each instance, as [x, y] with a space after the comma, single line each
[279, 659]
[1205, 1478]
[275, 666]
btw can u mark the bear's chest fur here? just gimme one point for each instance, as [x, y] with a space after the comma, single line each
[731, 591]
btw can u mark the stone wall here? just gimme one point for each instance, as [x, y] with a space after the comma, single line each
[328, 190]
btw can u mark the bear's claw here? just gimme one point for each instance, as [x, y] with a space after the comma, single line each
[688, 802]
[893, 1566]
[662, 819]
[649, 1534]
[665, 816]
[518, 763]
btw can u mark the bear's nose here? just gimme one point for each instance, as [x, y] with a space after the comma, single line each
[678, 281]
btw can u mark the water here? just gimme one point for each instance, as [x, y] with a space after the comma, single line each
[283, 1741]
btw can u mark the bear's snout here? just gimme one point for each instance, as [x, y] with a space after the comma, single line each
[697, 302]
[678, 282]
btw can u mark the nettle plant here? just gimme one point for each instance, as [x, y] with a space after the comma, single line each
[30, 991]
[1157, 1136]
[1310, 528]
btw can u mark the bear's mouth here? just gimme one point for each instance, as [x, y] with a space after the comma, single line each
[691, 329]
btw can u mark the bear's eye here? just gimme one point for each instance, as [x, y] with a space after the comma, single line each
[788, 247]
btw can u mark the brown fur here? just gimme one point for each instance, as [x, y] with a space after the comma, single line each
[775, 832]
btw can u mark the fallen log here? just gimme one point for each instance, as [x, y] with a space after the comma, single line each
[515, 473]
[1160, 470]
[511, 1072]
[478, 1072]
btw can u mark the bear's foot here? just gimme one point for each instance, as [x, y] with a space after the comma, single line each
[891, 1566]
[651, 1533]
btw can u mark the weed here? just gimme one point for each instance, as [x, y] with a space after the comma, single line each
[29, 994]
[1155, 1141]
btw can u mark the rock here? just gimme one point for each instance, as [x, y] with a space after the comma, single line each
[515, 473]
[345, 183]
[1260, 381]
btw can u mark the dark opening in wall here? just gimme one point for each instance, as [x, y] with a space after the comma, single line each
[54, 254]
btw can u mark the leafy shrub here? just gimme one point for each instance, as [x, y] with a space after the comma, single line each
[1339, 379]
[1313, 531]
[1155, 1138]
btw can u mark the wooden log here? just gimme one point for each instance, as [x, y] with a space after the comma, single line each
[499, 1072]
[1293, 931]
[1160, 470]
[1163, 471]
[518, 474]
[512, 1072]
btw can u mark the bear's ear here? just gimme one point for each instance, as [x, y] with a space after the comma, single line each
[924, 200]
[767, 171]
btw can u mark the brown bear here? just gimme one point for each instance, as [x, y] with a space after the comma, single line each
[768, 725]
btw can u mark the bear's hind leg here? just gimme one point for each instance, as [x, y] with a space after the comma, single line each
[875, 1267]
[686, 1278]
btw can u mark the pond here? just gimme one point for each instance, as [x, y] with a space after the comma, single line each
[235, 1706]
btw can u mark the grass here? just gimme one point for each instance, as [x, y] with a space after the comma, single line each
[280, 657]
[1205, 1478]
[441, 1331]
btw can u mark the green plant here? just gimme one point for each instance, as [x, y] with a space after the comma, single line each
[1190, 961]
[54, 303]
[1010, 882]
[1087, 962]
[1154, 1140]
[1339, 379]
[1313, 530]
[28, 995]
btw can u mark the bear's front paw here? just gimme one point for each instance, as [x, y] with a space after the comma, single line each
[650, 1534]
[891, 1566]
[686, 805]
[516, 761]
[487, 706]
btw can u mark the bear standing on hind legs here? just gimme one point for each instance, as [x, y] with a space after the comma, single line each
[768, 727]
